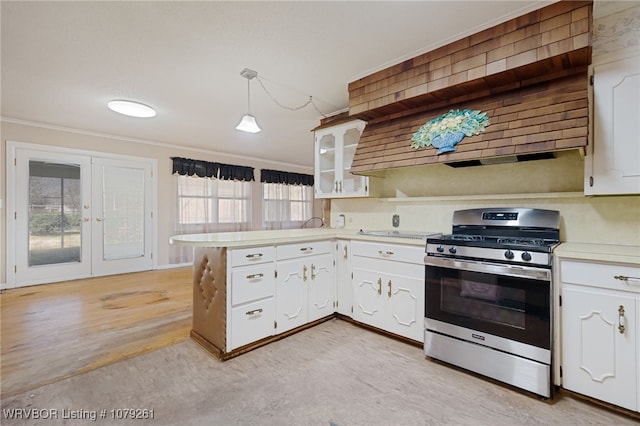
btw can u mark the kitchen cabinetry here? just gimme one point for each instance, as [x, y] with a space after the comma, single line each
[305, 284]
[252, 300]
[388, 287]
[612, 165]
[335, 147]
[600, 320]
[344, 289]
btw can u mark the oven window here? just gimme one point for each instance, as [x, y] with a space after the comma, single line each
[482, 297]
[513, 308]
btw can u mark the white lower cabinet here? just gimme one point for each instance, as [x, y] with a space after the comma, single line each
[388, 287]
[600, 337]
[252, 298]
[305, 284]
[344, 289]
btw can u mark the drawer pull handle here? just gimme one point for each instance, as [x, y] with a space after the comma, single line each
[379, 286]
[621, 320]
[306, 249]
[385, 253]
[254, 276]
[255, 311]
[625, 278]
[254, 256]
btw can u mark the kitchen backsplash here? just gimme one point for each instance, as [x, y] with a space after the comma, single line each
[605, 220]
[426, 197]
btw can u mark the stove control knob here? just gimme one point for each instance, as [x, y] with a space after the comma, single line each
[453, 250]
[508, 254]
[440, 249]
[526, 256]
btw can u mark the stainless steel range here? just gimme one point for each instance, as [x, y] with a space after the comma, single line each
[489, 295]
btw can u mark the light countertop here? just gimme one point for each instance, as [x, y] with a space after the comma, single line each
[284, 236]
[599, 252]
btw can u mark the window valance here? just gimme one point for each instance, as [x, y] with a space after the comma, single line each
[287, 178]
[186, 166]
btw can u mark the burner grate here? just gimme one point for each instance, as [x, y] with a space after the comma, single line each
[537, 242]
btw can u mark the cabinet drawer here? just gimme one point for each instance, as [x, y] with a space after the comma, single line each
[250, 256]
[252, 322]
[400, 253]
[252, 283]
[385, 268]
[600, 275]
[289, 251]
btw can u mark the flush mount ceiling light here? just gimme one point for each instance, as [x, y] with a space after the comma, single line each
[132, 109]
[248, 121]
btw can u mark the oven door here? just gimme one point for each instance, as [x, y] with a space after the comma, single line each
[490, 302]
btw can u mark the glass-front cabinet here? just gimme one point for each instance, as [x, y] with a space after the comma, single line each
[335, 147]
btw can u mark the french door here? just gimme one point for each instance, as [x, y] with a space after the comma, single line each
[76, 215]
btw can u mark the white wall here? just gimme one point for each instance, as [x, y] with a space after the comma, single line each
[45, 135]
[426, 197]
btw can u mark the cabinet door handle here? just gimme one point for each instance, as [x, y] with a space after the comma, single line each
[253, 256]
[626, 279]
[345, 251]
[304, 272]
[621, 320]
[385, 253]
[336, 186]
[254, 276]
[100, 219]
[389, 293]
[306, 249]
[340, 186]
[254, 312]
[379, 286]
[313, 271]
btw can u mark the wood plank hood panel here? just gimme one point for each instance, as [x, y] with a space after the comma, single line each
[529, 74]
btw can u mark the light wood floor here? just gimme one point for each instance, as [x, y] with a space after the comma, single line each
[53, 331]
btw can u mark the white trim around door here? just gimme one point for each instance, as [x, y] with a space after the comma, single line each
[91, 187]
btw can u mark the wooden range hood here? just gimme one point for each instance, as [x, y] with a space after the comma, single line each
[529, 74]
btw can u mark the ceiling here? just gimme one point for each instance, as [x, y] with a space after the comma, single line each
[63, 61]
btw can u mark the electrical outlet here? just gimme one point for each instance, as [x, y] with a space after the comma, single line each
[395, 221]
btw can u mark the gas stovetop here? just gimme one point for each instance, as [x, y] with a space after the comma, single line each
[506, 235]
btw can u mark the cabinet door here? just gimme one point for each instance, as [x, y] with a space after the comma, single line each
[349, 184]
[405, 296]
[326, 180]
[614, 166]
[291, 294]
[344, 289]
[598, 358]
[368, 303]
[320, 285]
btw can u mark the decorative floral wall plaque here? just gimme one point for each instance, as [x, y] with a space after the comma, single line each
[446, 131]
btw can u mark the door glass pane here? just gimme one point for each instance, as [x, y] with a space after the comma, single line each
[123, 213]
[54, 213]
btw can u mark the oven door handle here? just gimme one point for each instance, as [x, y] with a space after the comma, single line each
[490, 268]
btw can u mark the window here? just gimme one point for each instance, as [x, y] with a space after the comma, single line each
[286, 206]
[209, 205]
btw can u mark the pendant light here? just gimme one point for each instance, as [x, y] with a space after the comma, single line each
[248, 122]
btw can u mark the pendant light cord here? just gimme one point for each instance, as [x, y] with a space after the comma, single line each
[309, 102]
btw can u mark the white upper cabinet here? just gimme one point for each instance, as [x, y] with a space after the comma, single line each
[612, 165]
[335, 147]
